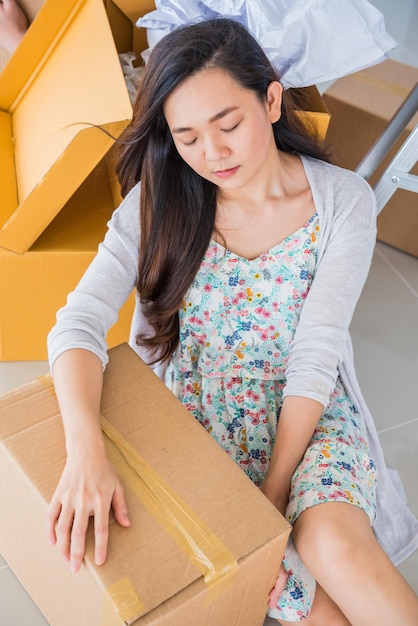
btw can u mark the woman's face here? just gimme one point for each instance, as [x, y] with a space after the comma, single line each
[222, 130]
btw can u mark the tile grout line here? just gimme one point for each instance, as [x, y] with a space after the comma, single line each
[385, 430]
[397, 272]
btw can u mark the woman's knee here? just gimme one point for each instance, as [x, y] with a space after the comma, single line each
[331, 532]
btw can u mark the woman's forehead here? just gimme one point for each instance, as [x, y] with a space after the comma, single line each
[207, 94]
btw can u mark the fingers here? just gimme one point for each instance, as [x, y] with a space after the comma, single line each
[52, 515]
[77, 498]
[74, 539]
[67, 529]
[120, 508]
[278, 587]
[101, 533]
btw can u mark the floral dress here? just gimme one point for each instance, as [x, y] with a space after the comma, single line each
[236, 327]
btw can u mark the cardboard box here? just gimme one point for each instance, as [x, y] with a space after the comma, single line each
[63, 81]
[312, 110]
[35, 285]
[131, 10]
[66, 70]
[148, 578]
[361, 106]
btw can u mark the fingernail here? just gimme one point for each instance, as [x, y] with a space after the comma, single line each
[74, 568]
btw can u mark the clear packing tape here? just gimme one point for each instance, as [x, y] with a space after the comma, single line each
[200, 544]
[308, 41]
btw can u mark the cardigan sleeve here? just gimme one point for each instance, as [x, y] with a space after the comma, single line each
[322, 334]
[92, 308]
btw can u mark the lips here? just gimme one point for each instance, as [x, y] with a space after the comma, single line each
[226, 173]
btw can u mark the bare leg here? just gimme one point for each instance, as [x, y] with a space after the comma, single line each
[324, 612]
[338, 546]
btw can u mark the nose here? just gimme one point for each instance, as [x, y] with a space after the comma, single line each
[216, 149]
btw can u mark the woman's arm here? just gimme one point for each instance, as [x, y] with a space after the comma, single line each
[322, 337]
[77, 347]
[322, 334]
[89, 485]
[298, 419]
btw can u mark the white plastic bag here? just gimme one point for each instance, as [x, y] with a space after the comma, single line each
[308, 41]
[131, 73]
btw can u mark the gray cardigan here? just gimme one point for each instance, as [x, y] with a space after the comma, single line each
[321, 349]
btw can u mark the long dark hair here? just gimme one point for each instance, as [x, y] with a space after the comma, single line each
[177, 206]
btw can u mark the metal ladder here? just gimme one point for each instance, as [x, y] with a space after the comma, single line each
[396, 176]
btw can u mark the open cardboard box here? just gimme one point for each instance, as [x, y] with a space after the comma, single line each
[35, 285]
[63, 81]
[154, 574]
[361, 106]
[65, 71]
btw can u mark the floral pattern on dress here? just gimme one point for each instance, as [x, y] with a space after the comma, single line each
[237, 322]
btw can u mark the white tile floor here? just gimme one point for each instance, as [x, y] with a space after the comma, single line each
[385, 335]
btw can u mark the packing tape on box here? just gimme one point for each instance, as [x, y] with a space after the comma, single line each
[121, 604]
[193, 536]
[382, 85]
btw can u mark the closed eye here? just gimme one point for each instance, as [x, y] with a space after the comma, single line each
[223, 130]
[190, 143]
[229, 130]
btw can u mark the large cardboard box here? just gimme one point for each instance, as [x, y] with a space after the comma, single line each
[35, 285]
[64, 79]
[63, 100]
[194, 513]
[361, 106]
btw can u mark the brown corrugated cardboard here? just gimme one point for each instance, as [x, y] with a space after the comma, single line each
[361, 106]
[148, 579]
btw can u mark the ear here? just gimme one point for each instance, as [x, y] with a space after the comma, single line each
[274, 101]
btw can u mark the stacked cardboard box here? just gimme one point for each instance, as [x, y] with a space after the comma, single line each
[63, 81]
[204, 546]
[361, 106]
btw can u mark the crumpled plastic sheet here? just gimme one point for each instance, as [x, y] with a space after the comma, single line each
[308, 41]
[131, 73]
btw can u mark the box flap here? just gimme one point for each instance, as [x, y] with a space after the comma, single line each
[7, 170]
[145, 413]
[134, 9]
[64, 81]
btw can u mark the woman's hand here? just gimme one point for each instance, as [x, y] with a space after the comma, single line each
[89, 486]
[278, 588]
[280, 500]
[13, 24]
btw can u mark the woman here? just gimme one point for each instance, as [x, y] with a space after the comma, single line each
[248, 252]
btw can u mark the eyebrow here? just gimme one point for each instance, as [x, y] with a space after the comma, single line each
[216, 117]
